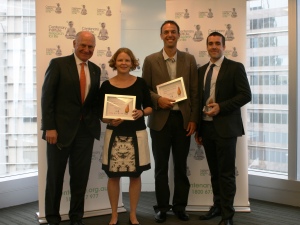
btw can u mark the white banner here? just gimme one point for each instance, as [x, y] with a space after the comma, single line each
[56, 24]
[197, 19]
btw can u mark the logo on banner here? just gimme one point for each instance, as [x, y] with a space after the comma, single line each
[56, 31]
[185, 35]
[199, 153]
[202, 54]
[198, 35]
[232, 14]
[71, 31]
[106, 12]
[104, 73]
[185, 14]
[56, 9]
[206, 14]
[103, 33]
[93, 30]
[54, 51]
[229, 36]
[232, 53]
[102, 52]
[79, 10]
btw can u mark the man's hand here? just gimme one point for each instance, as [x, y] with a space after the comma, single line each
[191, 128]
[51, 136]
[165, 103]
[214, 109]
[198, 139]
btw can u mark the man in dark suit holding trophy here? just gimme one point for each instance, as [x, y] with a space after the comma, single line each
[224, 89]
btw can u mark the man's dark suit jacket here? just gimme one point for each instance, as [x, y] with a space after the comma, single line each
[232, 92]
[62, 109]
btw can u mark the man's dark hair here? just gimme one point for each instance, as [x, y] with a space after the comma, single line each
[171, 22]
[215, 33]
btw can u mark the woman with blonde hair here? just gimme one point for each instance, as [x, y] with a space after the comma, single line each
[126, 150]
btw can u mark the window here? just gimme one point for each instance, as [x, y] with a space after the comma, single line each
[18, 126]
[268, 68]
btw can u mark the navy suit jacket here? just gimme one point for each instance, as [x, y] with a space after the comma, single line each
[62, 109]
[232, 92]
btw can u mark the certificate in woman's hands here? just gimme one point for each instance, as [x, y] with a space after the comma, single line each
[173, 89]
[118, 106]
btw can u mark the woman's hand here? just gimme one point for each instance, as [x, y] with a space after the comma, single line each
[137, 113]
[115, 122]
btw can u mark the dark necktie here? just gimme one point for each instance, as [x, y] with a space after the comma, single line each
[207, 84]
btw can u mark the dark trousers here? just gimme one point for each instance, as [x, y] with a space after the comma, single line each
[220, 153]
[172, 136]
[79, 156]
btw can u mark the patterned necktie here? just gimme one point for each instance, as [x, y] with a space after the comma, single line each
[82, 80]
[207, 84]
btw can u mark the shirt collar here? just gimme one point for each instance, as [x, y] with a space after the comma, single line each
[166, 57]
[78, 61]
[218, 62]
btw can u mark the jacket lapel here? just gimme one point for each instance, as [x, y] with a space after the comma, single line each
[74, 75]
[221, 74]
[93, 79]
[163, 67]
[179, 63]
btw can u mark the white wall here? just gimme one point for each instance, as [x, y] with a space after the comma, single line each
[141, 21]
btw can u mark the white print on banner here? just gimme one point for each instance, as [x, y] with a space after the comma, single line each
[90, 193]
[198, 35]
[56, 9]
[232, 53]
[54, 51]
[71, 31]
[104, 73]
[106, 12]
[229, 36]
[232, 14]
[96, 156]
[206, 14]
[201, 189]
[56, 31]
[185, 14]
[93, 30]
[203, 54]
[79, 10]
[185, 35]
[102, 52]
[103, 33]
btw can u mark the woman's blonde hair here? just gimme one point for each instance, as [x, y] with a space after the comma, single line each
[134, 61]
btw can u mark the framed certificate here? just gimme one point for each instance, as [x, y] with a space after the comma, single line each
[173, 89]
[118, 106]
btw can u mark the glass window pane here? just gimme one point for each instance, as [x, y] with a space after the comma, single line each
[18, 126]
[271, 91]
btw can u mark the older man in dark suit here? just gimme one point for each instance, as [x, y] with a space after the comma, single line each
[171, 124]
[70, 123]
[224, 89]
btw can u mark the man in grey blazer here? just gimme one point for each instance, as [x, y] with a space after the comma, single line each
[220, 123]
[171, 124]
[70, 123]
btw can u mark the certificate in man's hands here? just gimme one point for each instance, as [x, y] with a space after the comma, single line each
[118, 106]
[173, 89]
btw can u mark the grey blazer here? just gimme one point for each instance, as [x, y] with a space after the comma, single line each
[155, 72]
